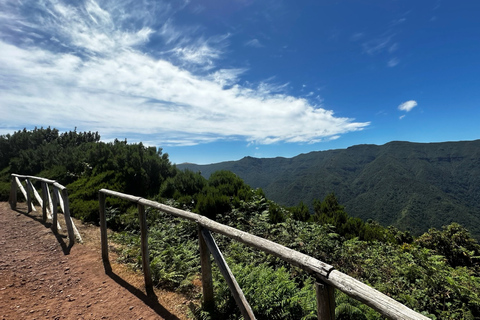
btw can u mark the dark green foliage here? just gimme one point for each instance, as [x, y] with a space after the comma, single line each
[211, 202]
[128, 168]
[300, 212]
[348, 308]
[140, 169]
[184, 187]
[4, 190]
[415, 276]
[274, 294]
[46, 152]
[84, 165]
[455, 243]
[413, 186]
[5, 184]
[330, 212]
[275, 213]
[223, 191]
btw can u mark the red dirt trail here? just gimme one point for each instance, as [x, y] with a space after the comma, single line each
[41, 278]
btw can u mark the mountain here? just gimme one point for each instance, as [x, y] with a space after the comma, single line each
[412, 186]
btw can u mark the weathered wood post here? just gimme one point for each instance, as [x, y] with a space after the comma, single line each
[29, 195]
[50, 202]
[145, 254]
[325, 301]
[55, 209]
[206, 266]
[45, 201]
[103, 232]
[20, 186]
[13, 194]
[58, 190]
[68, 219]
[235, 289]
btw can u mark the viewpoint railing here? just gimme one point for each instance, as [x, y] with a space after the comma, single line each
[48, 201]
[327, 278]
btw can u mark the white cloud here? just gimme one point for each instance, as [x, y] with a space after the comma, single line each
[378, 45]
[357, 36]
[408, 105]
[254, 43]
[226, 77]
[393, 48]
[393, 62]
[202, 54]
[98, 78]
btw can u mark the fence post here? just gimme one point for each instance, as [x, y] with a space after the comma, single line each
[29, 195]
[13, 194]
[145, 255]
[103, 232]
[45, 201]
[68, 219]
[55, 209]
[235, 289]
[206, 265]
[325, 301]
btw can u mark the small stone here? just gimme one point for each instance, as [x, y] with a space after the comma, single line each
[131, 307]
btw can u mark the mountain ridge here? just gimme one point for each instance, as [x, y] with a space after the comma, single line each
[413, 186]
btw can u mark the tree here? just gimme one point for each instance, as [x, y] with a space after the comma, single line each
[455, 243]
[300, 212]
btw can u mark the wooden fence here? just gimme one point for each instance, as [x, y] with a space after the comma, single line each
[48, 201]
[327, 278]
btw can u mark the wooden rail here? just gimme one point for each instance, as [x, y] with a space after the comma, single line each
[327, 278]
[49, 202]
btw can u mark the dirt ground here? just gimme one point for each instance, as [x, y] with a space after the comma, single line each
[41, 278]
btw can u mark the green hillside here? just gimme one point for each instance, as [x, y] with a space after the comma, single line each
[436, 273]
[413, 186]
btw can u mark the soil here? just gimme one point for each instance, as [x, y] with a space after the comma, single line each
[41, 278]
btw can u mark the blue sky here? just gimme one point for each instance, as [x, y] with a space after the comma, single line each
[217, 80]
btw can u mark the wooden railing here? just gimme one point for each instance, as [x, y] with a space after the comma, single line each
[48, 201]
[327, 278]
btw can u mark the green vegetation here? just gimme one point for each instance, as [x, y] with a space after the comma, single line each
[412, 186]
[437, 273]
[84, 165]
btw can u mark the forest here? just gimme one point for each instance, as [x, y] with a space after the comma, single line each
[413, 186]
[436, 273]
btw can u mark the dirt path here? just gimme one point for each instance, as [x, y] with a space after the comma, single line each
[40, 279]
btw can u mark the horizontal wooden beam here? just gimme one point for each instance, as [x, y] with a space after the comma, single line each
[53, 182]
[33, 177]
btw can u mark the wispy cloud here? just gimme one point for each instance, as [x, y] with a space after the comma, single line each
[407, 106]
[393, 48]
[393, 62]
[94, 69]
[378, 44]
[357, 36]
[384, 44]
[254, 43]
[226, 77]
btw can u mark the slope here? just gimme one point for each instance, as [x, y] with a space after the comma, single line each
[413, 186]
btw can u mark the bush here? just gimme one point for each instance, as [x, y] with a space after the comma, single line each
[272, 293]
